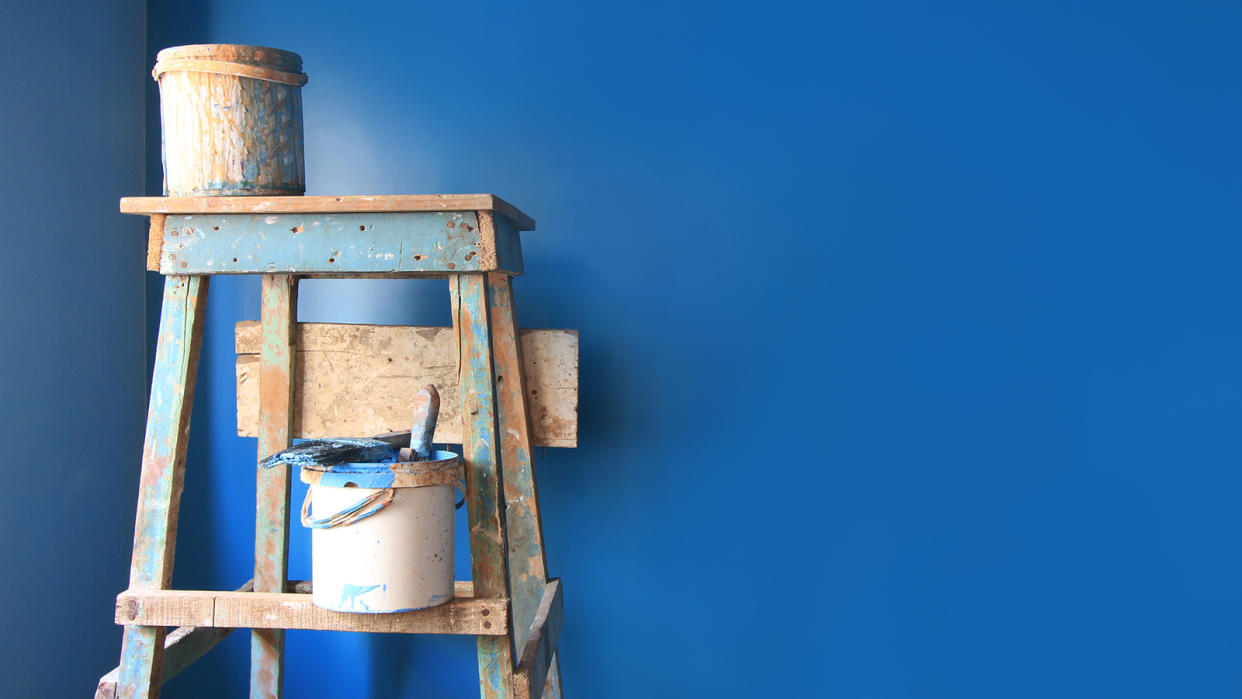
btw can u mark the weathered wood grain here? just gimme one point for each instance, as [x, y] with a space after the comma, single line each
[163, 472]
[483, 474]
[357, 380]
[528, 568]
[155, 241]
[279, 303]
[326, 205]
[427, 242]
[231, 120]
[182, 647]
[535, 664]
[289, 610]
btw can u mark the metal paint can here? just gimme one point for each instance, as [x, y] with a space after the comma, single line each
[382, 534]
[231, 120]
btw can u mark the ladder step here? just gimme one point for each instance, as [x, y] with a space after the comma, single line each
[464, 614]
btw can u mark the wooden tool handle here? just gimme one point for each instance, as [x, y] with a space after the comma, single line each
[426, 410]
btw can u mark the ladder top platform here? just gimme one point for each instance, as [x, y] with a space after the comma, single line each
[392, 203]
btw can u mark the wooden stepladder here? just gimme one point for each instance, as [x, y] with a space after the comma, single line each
[511, 605]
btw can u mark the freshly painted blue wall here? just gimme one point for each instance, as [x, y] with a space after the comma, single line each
[72, 379]
[910, 334]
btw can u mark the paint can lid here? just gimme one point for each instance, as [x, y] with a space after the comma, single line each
[443, 468]
[259, 62]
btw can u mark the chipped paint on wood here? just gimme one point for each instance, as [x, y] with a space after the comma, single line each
[483, 477]
[347, 243]
[279, 325]
[231, 120]
[528, 569]
[163, 472]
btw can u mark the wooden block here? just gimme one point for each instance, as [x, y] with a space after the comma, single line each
[341, 204]
[536, 660]
[288, 610]
[155, 241]
[417, 242]
[167, 608]
[359, 380]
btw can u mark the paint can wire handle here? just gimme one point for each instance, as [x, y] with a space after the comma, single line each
[358, 511]
[370, 505]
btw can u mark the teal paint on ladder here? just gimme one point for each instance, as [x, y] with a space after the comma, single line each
[334, 244]
[480, 454]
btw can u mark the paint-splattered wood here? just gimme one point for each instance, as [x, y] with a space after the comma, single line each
[539, 652]
[163, 473]
[339, 204]
[338, 243]
[274, 610]
[528, 568]
[231, 120]
[483, 477]
[358, 380]
[182, 647]
[279, 303]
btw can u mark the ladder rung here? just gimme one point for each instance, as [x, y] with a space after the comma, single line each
[291, 610]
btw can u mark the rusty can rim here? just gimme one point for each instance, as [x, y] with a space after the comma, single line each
[258, 62]
[443, 469]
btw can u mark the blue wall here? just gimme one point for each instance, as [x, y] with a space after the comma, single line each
[909, 336]
[72, 380]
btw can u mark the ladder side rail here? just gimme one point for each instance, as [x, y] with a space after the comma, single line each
[163, 474]
[483, 475]
[527, 565]
[279, 303]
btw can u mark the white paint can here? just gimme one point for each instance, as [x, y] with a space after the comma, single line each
[382, 534]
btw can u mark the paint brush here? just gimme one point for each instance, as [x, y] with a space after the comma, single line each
[335, 450]
[426, 410]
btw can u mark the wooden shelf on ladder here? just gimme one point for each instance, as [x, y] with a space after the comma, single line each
[511, 605]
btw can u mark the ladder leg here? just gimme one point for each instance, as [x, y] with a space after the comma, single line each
[528, 569]
[271, 544]
[483, 477]
[163, 473]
